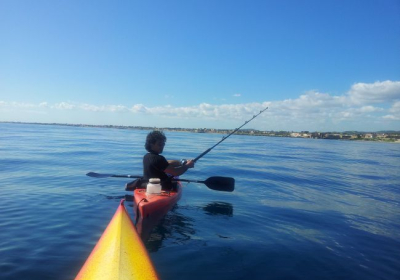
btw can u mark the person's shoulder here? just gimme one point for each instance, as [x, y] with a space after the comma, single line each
[153, 155]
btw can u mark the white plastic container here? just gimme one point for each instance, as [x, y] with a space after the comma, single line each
[153, 186]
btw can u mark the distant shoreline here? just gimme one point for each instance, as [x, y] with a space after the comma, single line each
[380, 136]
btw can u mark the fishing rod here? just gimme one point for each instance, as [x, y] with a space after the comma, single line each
[223, 138]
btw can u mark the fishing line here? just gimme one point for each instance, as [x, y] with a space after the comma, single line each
[223, 138]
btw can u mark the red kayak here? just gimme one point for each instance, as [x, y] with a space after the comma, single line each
[151, 208]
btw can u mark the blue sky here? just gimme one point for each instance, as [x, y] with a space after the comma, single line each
[330, 65]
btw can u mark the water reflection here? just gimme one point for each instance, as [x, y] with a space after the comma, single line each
[129, 197]
[126, 197]
[174, 225]
[219, 208]
[114, 197]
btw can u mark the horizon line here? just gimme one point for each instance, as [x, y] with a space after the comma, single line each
[182, 128]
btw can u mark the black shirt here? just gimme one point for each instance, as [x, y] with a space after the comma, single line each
[154, 166]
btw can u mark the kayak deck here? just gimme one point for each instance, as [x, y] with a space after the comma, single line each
[119, 254]
[150, 204]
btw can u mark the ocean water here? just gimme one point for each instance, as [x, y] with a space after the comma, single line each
[302, 208]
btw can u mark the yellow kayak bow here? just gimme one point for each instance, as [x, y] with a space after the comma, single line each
[119, 254]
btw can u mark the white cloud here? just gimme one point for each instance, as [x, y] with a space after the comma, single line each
[369, 109]
[378, 92]
[107, 108]
[237, 95]
[314, 101]
[394, 112]
[84, 107]
[88, 107]
[391, 117]
[139, 108]
[313, 110]
[395, 108]
[203, 110]
[116, 108]
[64, 106]
[18, 105]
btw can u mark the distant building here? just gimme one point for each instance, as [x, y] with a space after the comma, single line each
[316, 135]
[332, 136]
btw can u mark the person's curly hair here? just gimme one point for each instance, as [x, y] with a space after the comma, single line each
[152, 138]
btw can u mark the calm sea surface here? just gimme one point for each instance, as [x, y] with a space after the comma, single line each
[302, 208]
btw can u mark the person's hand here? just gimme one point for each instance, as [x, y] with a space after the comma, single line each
[190, 163]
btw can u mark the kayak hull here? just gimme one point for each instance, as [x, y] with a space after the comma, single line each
[150, 209]
[119, 254]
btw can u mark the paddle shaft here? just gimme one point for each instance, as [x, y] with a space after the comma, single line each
[102, 175]
[189, 181]
[209, 149]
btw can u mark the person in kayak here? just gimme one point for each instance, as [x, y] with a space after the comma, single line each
[157, 166]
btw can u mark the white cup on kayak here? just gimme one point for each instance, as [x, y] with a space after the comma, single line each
[153, 186]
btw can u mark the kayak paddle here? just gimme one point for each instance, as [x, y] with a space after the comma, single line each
[217, 183]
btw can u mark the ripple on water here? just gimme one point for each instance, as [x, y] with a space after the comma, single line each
[301, 209]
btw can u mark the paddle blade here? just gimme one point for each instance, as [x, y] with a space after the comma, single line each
[98, 175]
[224, 184]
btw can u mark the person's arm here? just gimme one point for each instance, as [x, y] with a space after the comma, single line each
[174, 163]
[175, 167]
